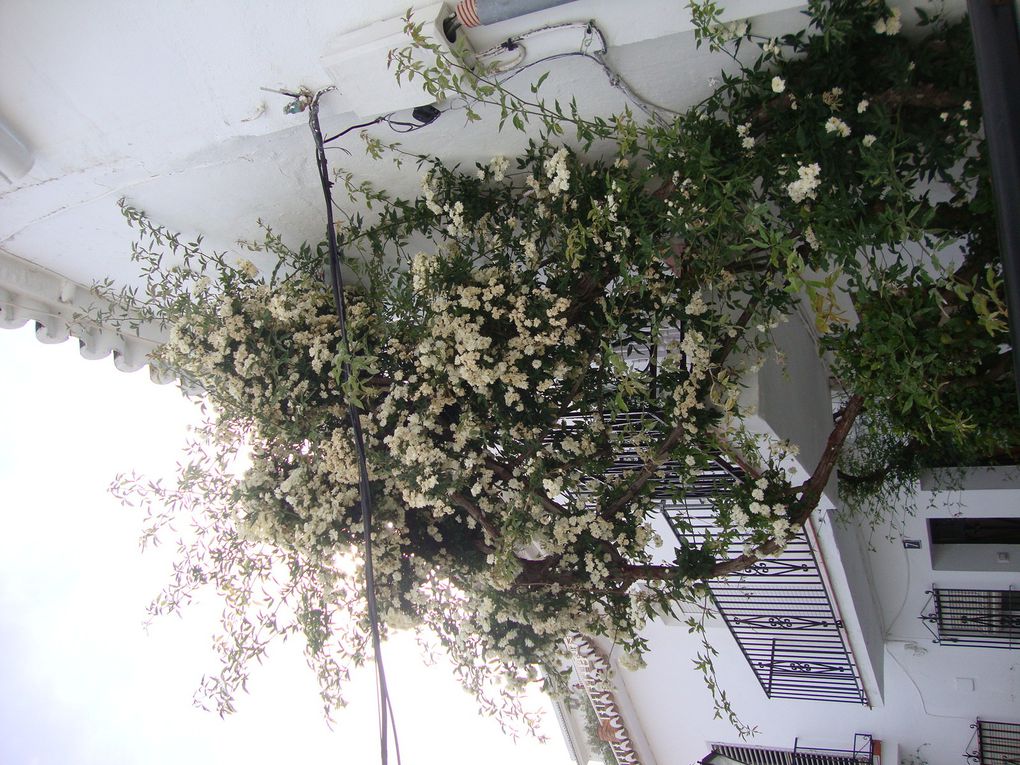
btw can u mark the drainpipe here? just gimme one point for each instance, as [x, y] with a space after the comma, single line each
[473, 13]
[993, 24]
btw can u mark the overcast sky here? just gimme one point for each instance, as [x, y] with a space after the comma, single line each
[80, 681]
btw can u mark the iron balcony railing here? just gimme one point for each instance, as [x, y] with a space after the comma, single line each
[974, 618]
[780, 611]
[863, 753]
[998, 743]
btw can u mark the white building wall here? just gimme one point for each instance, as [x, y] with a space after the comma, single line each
[924, 696]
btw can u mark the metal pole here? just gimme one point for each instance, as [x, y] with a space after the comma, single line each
[993, 24]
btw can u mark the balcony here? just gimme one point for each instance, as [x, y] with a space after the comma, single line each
[998, 743]
[781, 611]
[974, 618]
[864, 752]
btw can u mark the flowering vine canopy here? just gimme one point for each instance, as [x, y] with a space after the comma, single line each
[507, 321]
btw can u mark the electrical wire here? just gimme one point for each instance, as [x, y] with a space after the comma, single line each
[920, 695]
[385, 708]
[591, 29]
[384, 704]
[396, 126]
[347, 130]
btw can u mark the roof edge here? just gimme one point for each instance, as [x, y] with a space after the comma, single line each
[58, 306]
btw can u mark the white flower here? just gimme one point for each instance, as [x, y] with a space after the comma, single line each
[868, 140]
[810, 238]
[632, 662]
[836, 125]
[697, 305]
[498, 167]
[247, 268]
[556, 170]
[890, 25]
[831, 98]
[748, 142]
[967, 106]
[863, 106]
[778, 85]
[552, 486]
[806, 184]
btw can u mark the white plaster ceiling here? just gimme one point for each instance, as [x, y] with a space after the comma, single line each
[160, 103]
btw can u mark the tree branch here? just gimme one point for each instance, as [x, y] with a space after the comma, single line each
[476, 512]
[810, 491]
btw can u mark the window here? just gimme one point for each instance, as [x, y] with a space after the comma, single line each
[974, 531]
[975, 544]
[998, 743]
[984, 618]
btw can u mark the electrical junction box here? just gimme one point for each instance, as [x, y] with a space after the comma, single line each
[359, 63]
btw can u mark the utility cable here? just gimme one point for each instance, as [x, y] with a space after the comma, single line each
[591, 30]
[347, 130]
[385, 708]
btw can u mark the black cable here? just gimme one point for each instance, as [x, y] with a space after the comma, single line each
[345, 131]
[408, 127]
[385, 708]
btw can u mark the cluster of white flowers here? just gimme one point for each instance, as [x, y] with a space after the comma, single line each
[891, 24]
[810, 238]
[200, 286]
[498, 167]
[837, 126]
[458, 226]
[558, 173]
[807, 183]
[694, 351]
[697, 305]
[422, 267]
[247, 268]
[743, 131]
[833, 98]
[429, 195]
[758, 520]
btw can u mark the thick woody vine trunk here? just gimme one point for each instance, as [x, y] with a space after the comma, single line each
[808, 495]
[810, 491]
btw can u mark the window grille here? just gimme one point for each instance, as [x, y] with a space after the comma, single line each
[977, 618]
[998, 743]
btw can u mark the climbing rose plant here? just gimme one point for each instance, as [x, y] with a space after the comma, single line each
[556, 311]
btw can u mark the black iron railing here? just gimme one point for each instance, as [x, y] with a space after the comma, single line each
[974, 618]
[863, 753]
[998, 743]
[780, 611]
[781, 614]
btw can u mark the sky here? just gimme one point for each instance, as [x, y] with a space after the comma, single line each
[82, 682]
